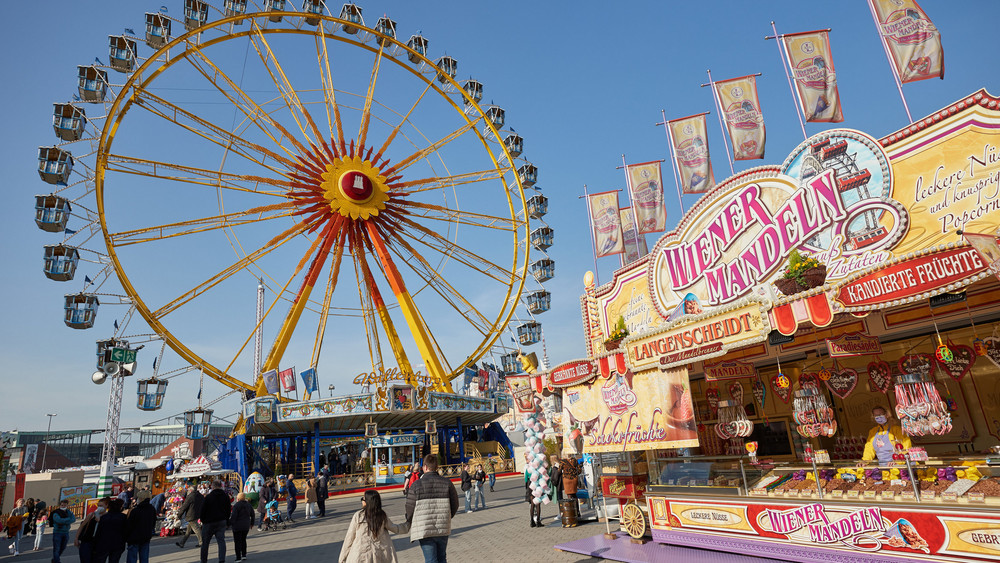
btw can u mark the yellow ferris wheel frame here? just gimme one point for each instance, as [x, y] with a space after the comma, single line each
[520, 227]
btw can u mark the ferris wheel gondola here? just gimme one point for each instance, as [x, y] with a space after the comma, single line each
[409, 203]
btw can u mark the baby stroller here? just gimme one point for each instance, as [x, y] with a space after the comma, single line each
[272, 517]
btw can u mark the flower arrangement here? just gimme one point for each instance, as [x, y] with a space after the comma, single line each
[616, 336]
[802, 272]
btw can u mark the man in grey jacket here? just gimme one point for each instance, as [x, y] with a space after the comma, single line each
[430, 506]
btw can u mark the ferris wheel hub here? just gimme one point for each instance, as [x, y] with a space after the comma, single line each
[354, 188]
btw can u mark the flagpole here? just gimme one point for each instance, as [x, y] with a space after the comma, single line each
[888, 57]
[673, 159]
[590, 225]
[722, 126]
[788, 76]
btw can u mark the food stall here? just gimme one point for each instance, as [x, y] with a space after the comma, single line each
[812, 365]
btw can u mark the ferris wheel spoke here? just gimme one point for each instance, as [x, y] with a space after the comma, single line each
[379, 312]
[368, 314]
[228, 272]
[198, 176]
[433, 147]
[440, 286]
[318, 251]
[251, 110]
[434, 212]
[366, 112]
[442, 245]
[331, 284]
[329, 94]
[283, 85]
[263, 318]
[441, 182]
[395, 130]
[210, 131]
[201, 225]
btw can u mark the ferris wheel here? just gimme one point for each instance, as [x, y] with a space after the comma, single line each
[383, 207]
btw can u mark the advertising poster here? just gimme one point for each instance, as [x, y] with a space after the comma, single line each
[689, 136]
[815, 78]
[77, 495]
[646, 182]
[914, 42]
[606, 222]
[744, 120]
[628, 412]
[635, 244]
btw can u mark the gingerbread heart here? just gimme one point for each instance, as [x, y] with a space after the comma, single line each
[961, 362]
[842, 382]
[922, 364]
[782, 392]
[736, 392]
[712, 396]
[759, 391]
[880, 376]
[808, 377]
[993, 349]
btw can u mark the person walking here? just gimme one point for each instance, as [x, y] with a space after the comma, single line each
[432, 503]
[311, 499]
[85, 533]
[478, 482]
[267, 493]
[215, 516]
[41, 521]
[28, 522]
[535, 509]
[467, 487]
[191, 509]
[293, 493]
[109, 538]
[139, 529]
[126, 496]
[491, 471]
[62, 519]
[242, 519]
[322, 493]
[15, 526]
[367, 539]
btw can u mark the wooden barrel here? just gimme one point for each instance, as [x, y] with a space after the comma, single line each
[569, 513]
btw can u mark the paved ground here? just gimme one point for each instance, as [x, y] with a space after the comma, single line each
[499, 533]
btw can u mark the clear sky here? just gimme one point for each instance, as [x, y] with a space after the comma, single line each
[582, 82]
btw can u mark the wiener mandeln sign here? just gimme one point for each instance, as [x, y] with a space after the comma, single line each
[929, 273]
[694, 338]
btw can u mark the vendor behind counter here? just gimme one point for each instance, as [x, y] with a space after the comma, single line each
[884, 438]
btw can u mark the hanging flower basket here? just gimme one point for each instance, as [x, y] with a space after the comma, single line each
[788, 286]
[815, 277]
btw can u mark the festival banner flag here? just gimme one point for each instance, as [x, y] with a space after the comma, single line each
[914, 42]
[811, 61]
[647, 196]
[287, 378]
[690, 140]
[744, 120]
[635, 243]
[271, 381]
[309, 380]
[606, 223]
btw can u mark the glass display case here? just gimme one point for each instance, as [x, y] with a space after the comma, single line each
[953, 480]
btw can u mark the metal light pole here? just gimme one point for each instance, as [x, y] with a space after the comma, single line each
[45, 447]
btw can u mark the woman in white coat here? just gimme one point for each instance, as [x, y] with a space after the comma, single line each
[367, 539]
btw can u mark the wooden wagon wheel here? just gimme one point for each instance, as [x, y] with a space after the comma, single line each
[633, 520]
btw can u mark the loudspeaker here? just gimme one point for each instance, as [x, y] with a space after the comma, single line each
[112, 368]
[98, 377]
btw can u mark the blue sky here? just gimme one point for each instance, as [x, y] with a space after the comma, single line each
[582, 82]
